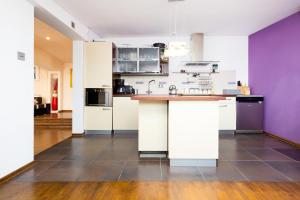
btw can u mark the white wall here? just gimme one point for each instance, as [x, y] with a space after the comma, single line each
[67, 90]
[78, 89]
[16, 85]
[56, 16]
[48, 63]
[231, 51]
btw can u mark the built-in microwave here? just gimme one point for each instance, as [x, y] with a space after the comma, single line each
[98, 97]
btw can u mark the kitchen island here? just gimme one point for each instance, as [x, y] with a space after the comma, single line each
[184, 127]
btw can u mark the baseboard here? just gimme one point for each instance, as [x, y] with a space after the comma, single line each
[125, 131]
[16, 173]
[283, 139]
[76, 135]
[98, 132]
[64, 111]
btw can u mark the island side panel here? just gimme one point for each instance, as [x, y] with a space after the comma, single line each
[193, 132]
[153, 126]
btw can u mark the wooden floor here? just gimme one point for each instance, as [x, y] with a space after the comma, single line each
[45, 138]
[151, 190]
[51, 129]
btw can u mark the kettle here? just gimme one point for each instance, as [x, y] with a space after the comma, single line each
[172, 90]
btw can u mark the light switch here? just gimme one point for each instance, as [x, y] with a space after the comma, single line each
[21, 56]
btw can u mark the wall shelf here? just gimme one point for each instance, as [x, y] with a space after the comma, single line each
[140, 74]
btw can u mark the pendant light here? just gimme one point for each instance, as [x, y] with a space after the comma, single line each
[175, 47]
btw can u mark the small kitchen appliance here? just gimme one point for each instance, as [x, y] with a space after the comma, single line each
[121, 88]
[172, 90]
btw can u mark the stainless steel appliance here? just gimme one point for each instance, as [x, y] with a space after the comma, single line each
[98, 97]
[250, 114]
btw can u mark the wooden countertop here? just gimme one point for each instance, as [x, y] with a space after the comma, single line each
[177, 98]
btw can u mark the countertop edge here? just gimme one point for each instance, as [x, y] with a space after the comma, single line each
[177, 98]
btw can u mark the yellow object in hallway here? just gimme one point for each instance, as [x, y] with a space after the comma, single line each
[71, 78]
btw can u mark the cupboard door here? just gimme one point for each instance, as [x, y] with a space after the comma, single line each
[98, 118]
[98, 65]
[125, 113]
[153, 126]
[227, 115]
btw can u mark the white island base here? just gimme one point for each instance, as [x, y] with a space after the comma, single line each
[193, 133]
[184, 127]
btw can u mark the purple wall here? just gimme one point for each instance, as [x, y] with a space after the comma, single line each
[274, 71]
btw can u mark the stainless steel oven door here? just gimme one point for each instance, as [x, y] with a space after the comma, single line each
[99, 97]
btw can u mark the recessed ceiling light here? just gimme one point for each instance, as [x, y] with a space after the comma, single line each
[48, 38]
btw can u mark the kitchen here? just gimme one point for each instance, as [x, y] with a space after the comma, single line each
[140, 87]
[171, 99]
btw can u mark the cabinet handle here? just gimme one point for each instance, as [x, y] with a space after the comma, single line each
[106, 108]
[106, 86]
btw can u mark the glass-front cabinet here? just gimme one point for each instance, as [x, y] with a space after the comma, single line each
[137, 60]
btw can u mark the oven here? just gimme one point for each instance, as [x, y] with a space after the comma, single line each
[98, 97]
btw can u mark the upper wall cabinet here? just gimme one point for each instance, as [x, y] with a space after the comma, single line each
[138, 61]
[98, 65]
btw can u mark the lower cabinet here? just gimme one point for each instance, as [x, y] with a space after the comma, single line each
[97, 118]
[125, 113]
[227, 114]
[153, 126]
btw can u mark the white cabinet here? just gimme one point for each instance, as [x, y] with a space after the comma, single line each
[97, 118]
[153, 126]
[227, 114]
[193, 132]
[125, 113]
[98, 65]
[137, 60]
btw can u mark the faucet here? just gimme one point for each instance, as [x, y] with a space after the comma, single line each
[149, 91]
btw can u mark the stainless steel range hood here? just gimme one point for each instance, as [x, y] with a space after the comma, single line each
[196, 51]
[197, 64]
[197, 43]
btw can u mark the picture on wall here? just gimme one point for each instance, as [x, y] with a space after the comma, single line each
[36, 73]
[71, 78]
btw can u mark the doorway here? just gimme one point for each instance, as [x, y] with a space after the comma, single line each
[52, 86]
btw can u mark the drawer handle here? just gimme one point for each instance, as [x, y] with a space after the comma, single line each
[106, 108]
[223, 106]
[106, 86]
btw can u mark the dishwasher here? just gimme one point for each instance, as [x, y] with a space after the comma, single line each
[250, 114]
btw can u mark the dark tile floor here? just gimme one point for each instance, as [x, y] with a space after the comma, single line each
[103, 158]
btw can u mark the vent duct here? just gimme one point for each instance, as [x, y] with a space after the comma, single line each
[196, 47]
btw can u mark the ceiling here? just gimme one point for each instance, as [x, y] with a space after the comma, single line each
[58, 46]
[130, 18]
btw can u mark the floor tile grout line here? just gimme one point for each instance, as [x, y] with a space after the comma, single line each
[270, 148]
[243, 175]
[123, 168]
[161, 173]
[290, 159]
[279, 172]
[201, 174]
